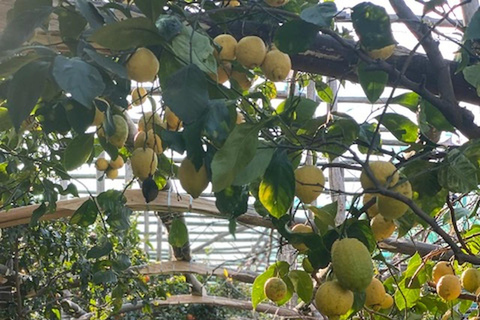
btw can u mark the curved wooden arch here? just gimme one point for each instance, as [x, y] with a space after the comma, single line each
[166, 202]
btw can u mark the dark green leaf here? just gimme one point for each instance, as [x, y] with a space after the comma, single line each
[128, 34]
[295, 36]
[37, 214]
[10, 65]
[367, 137]
[361, 230]
[321, 14]
[119, 218]
[107, 63]
[71, 23]
[373, 82]
[219, 121]
[339, 136]
[185, 92]
[472, 76]
[90, 13]
[80, 79]
[122, 262]
[302, 282]
[358, 303]
[458, 173]
[400, 126]
[409, 100]
[232, 200]
[473, 29]
[151, 8]
[85, 215]
[21, 27]
[178, 234]
[79, 116]
[104, 277]
[256, 167]
[173, 140]
[100, 250]
[108, 147]
[324, 91]
[277, 189]
[236, 153]
[25, 89]
[78, 151]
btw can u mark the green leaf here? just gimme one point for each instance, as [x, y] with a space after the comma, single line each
[178, 234]
[107, 63]
[151, 8]
[80, 79]
[122, 262]
[185, 93]
[344, 131]
[304, 108]
[71, 23]
[295, 36]
[372, 25]
[194, 48]
[302, 283]
[219, 121]
[321, 14]
[104, 277]
[236, 153]
[405, 223]
[324, 91]
[277, 189]
[367, 136]
[361, 230]
[10, 65]
[173, 140]
[432, 116]
[25, 89]
[79, 116]
[373, 82]
[409, 100]
[256, 167]
[279, 268]
[458, 173]
[37, 214]
[473, 29]
[128, 34]
[90, 13]
[100, 250]
[358, 304]
[325, 217]
[472, 76]
[232, 200]
[400, 126]
[78, 151]
[22, 26]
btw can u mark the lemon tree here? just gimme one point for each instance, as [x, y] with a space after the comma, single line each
[204, 76]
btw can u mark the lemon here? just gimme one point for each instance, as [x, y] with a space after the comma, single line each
[275, 289]
[373, 210]
[117, 163]
[440, 269]
[240, 118]
[276, 3]
[449, 287]
[142, 66]
[470, 279]
[231, 3]
[391, 208]
[228, 44]
[332, 300]
[375, 294]
[242, 80]
[194, 182]
[148, 139]
[224, 71]
[301, 228]
[387, 302]
[352, 264]
[139, 96]
[101, 164]
[276, 65]
[381, 228]
[98, 118]
[251, 51]
[309, 183]
[144, 163]
[112, 173]
[120, 135]
[383, 171]
[147, 121]
[382, 53]
[173, 122]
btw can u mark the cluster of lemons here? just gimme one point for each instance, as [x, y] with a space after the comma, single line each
[109, 167]
[335, 297]
[250, 52]
[449, 286]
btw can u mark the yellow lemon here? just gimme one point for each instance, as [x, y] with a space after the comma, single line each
[251, 51]
[228, 45]
[139, 96]
[375, 294]
[449, 287]
[173, 122]
[147, 121]
[117, 163]
[112, 173]
[276, 65]
[309, 183]
[440, 269]
[383, 171]
[242, 80]
[193, 181]
[391, 208]
[373, 210]
[142, 66]
[144, 163]
[101, 164]
[301, 228]
[381, 228]
[387, 303]
[470, 279]
[276, 3]
[332, 300]
[275, 289]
